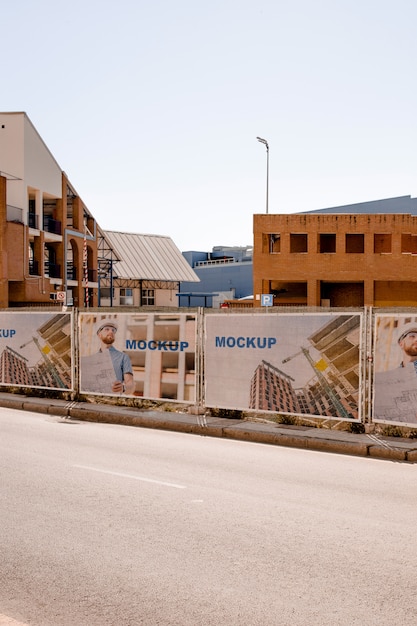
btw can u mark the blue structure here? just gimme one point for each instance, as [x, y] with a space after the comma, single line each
[225, 274]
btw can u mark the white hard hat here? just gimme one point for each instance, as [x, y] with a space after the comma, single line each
[405, 329]
[106, 322]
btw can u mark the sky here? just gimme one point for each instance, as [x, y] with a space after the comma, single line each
[152, 108]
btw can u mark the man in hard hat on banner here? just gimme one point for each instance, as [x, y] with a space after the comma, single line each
[106, 332]
[407, 341]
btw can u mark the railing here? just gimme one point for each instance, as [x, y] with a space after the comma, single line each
[215, 262]
[92, 276]
[71, 272]
[33, 220]
[237, 304]
[52, 270]
[33, 267]
[14, 214]
[51, 225]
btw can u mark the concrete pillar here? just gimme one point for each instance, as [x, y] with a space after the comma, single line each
[313, 292]
[368, 292]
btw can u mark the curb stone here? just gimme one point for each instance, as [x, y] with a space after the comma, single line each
[319, 440]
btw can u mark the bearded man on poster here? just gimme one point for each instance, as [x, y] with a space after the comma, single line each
[124, 383]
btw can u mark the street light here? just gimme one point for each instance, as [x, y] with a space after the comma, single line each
[264, 141]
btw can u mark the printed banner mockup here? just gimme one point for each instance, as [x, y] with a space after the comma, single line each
[293, 364]
[151, 355]
[395, 369]
[36, 350]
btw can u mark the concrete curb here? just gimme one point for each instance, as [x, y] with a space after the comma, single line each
[299, 441]
[318, 440]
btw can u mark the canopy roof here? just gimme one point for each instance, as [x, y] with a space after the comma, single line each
[149, 257]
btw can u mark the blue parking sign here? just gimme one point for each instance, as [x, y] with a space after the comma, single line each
[267, 299]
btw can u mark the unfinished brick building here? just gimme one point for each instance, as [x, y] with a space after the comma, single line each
[351, 256]
[48, 238]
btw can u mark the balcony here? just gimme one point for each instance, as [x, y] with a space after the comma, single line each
[71, 272]
[33, 220]
[14, 214]
[52, 226]
[92, 276]
[33, 268]
[52, 270]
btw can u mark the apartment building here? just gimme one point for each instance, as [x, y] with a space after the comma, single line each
[351, 256]
[271, 389]
[48, 238]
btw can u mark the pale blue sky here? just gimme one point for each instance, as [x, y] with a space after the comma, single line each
[152, 107]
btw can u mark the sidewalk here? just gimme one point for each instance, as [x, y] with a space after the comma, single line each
[304, 437]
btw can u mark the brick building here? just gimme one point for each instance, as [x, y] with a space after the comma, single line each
[48, 238]
[351, 256]
[52, 249]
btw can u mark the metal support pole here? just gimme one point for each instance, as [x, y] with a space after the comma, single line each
[264, 141]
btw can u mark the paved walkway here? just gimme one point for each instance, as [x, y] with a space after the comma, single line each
[309, 438]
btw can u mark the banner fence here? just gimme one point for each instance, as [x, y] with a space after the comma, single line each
[356, 365]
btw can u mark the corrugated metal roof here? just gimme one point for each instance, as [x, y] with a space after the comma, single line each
[399, 205]
[149, 257]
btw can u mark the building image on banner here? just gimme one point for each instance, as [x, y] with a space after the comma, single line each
[286, 363]
[149, 355]
[395, 369]
[36, 350]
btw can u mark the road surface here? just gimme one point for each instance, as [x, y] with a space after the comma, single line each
[121, 526]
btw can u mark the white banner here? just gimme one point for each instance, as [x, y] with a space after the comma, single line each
[286, 363]
[36, 350]
[150, 355]
[395, 369]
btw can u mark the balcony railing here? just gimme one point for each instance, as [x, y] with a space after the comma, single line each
[52, 226]
[92, 276]
[52, 270]
[33, 267]
[14, 214]
[33, 220]
[71, 272]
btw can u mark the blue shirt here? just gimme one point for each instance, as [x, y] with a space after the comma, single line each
[121, 363]
[414, 365]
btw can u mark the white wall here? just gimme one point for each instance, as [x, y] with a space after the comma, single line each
[166, 297]
[24, 155]
[11, 155]
[41, 170]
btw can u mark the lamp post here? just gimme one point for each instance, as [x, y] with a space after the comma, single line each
[264, 141]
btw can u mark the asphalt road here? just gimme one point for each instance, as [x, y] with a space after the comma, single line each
[113, 525]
